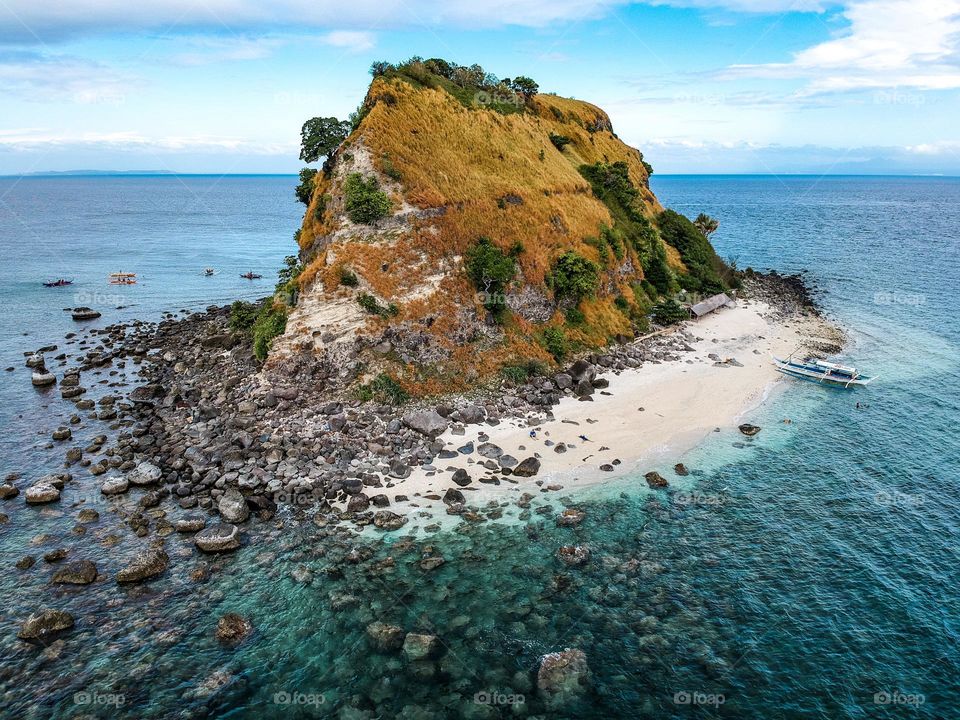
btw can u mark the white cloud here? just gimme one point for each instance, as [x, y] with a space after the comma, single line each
[32, 21]
[44, 77]
[350, 40]
[204, 50]
[888, 44]
[31, 139]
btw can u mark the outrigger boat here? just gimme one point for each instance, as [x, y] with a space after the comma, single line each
[251, 276]
[209, 271]
[58, 283]
[122, 278]
[826, 373]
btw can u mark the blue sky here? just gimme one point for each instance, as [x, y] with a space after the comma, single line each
[698, 85]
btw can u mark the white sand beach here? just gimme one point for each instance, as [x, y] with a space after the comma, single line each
[645, 420]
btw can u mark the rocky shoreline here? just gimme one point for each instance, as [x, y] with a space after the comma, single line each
[208, 436]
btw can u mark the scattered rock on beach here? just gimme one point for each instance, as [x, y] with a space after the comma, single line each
[461, 477]
[233, 507]
[115, 485]
[527, 468]
[426, 422]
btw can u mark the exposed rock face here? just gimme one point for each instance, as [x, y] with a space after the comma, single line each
[45, 625]
[218, 538]
[385, 637]
[146, 565]
[563, 677]
[417, 646]
[233, 629]
[78, 572]
[233, 507]
[426, 422]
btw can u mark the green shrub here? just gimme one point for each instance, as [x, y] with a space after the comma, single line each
[573, 277]
[575, 316]
[365, 201]
[560, 141]
[613, 239]
[369, 303]
[669, 312]
[270, 323]
[349, 278]
[389, 169]
[287, 276]
[519, 373]
[319, 137]
[622, 303]
[242, 316]
[555, 342]
[491, 270]
[698, 255]
[304, 191]
[384, 389]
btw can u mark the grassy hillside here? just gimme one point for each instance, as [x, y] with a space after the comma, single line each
[570, 250]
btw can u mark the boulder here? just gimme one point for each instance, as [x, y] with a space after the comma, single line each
[45, 625]
[358, 503]
[218, 538]
[562, 677]
[146, 565]
[426, 422]
[527, 468]
[386, 520]
[453, 497]
[571, 517]
[8, 490]
[233, 507]
[233, 629]
[461, 477]
[749, 430]
[471, 414]
[385, 637]
[145, 473]
[78, 572]
[655, 480]
[573, 555]
[115, 485]
[418, 646]
[681, 470]
[191, 523]
[582, 370]
[42, 492]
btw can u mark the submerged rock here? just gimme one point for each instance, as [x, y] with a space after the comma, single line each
[233, 629]
[78, 572]
[570, 517]
[218, 538]
[573, 555]
[45, 625]
[749, 430]
[562, 677]
[681, 470]
[655, 479]
[387, 520]
[385, 637]
[146, 565]
[417, 646]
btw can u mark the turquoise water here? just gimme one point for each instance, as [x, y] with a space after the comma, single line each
[811, 572]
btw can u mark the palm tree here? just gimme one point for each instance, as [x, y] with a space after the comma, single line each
[706, 224]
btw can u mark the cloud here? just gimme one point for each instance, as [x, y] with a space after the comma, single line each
[888, 44]
[33, 139]
[350, 40]
[30, 21]
[45, 77]
[204, 50]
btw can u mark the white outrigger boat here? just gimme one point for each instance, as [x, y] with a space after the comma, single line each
[826, 373]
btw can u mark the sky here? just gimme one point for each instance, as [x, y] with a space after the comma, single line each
[700, 86]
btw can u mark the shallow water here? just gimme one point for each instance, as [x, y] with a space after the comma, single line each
[811, 571]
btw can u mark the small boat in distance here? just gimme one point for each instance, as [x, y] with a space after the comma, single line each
[251, 275]
[826, 373]
[58, 283]
[122, 278]
[209, 271]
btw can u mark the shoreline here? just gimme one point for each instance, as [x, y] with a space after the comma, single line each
[645, 420]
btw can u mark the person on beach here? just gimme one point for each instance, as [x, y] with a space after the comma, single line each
[585, 438]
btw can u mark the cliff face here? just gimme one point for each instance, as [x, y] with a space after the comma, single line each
[538, 176]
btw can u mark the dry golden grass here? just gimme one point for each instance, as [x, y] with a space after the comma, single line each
[474, 164]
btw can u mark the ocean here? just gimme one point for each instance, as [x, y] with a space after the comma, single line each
[809, 572]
